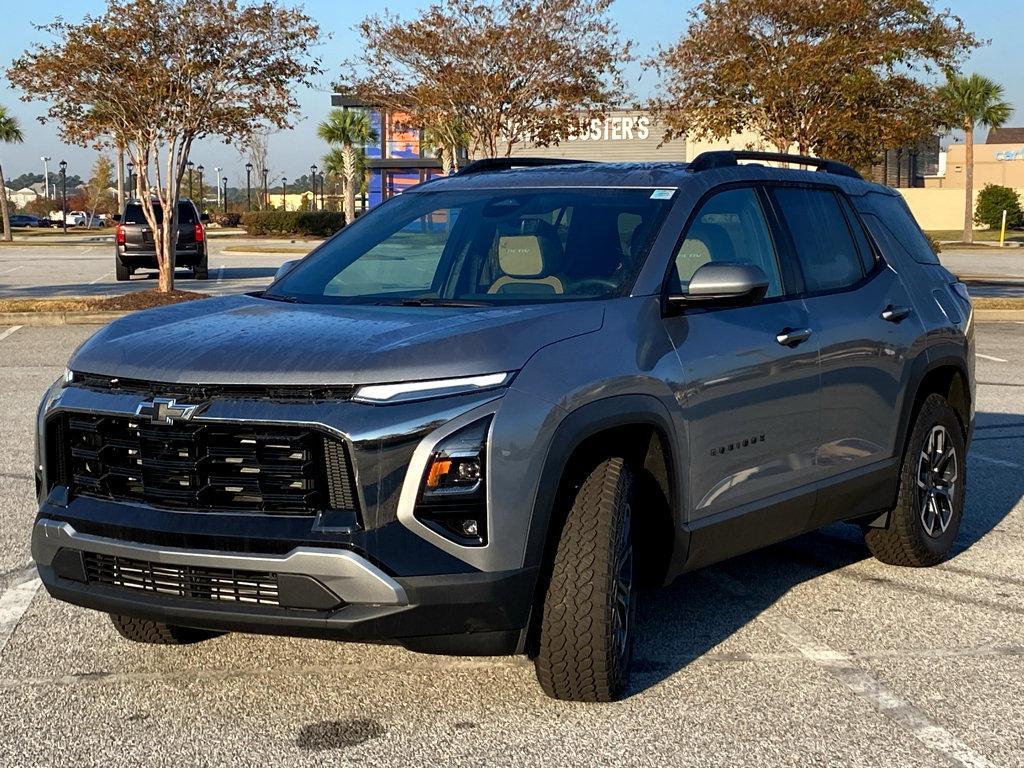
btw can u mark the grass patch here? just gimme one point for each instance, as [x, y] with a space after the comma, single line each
[980, 236]
[136, 300]
[998, 302]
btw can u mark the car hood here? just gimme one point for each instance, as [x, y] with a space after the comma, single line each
[247, 340]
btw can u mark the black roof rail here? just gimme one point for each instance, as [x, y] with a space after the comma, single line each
[726, 158]
[505, 164]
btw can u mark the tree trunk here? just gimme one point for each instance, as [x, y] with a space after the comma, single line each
[969, 182]
[120, 179]
[348, 163]
[5, 213]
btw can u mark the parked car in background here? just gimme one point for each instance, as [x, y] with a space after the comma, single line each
[28, 220]
[133, 240]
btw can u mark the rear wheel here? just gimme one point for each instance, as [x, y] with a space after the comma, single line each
[586, 635]
[121, 271]
[201, 271]
[150, 632]
[926, 519]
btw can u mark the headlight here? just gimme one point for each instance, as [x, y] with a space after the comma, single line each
[69, 376]
[453, 493]
[402, 392]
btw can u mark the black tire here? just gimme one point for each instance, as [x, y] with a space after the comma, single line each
[933, 479]
[121, 271]
[147, 631]
[586, 632]
[201, 271]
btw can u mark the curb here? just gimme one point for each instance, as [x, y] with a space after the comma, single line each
[99, 318]
[73, 318]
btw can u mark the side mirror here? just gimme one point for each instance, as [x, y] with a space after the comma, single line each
[723, 283]
[204, 217]
[116, 217]
[285, 267]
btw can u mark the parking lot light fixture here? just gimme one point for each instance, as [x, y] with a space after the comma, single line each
[190, 165]
[284, 193]
[248, 186]
[266, 187]
[312, 186]
[131, 176]
[64, 195]
[224, 183]
[323, 182]
[202, 196]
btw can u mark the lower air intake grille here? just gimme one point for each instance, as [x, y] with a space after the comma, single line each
[190, 582]
[207, 466]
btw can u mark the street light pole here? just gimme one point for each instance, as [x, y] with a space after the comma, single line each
[284, 193]
[64, 195]
[131, 176]
[266, 187]
[248, 186]
[323, 180]
[190, 165]
[224, 181]
[202, 195]
[312, 185]
[46, 175]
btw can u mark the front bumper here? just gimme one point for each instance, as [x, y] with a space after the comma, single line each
[321, 593]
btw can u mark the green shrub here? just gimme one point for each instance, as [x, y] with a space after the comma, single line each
[992, 201]
[301, 223]
[936, 246]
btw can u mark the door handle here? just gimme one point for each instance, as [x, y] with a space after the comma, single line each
[791, 337]
[895, 314]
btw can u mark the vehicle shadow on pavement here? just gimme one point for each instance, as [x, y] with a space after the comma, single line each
[678, 624]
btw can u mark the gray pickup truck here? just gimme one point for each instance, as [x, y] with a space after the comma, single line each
[133, 240]
[479, 417]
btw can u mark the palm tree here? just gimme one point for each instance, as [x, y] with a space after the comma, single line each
[351, 130]
[10, 133]
[970, 101]
[445, 138]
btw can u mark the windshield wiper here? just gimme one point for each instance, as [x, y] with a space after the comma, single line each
[281, 298]
[433, 301]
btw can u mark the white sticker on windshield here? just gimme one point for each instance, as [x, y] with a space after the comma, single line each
[662, 194]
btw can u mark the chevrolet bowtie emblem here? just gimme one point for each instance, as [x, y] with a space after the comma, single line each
[166, 411]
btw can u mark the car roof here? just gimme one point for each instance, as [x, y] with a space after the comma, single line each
[638, 175]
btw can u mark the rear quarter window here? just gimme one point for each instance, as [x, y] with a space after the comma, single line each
[894, 215]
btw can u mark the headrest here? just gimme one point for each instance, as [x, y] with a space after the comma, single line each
[695, 249]
[522, 256]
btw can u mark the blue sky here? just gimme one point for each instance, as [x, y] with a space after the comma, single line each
[648, 22]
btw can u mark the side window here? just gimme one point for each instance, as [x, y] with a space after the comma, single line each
[867, 255]
[730, 227]
[828, 255]
[896, 217]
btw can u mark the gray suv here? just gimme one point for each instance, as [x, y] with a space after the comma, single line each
[478, 418]
[134, 247]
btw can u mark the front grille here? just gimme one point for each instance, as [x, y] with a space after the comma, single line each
[200, 392]
[190, 582]
[207, 466]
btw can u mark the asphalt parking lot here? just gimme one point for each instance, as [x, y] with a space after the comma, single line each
[809, 652]
[87, 269]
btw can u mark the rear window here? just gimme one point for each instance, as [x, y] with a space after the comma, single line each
[133, 213]
[895, 216]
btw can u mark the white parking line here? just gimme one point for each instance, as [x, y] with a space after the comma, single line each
[995, 461]
[13, 604]
[19, 267]
[220, 275]
[991, 358]
[8, 332]
[843, 667]
[101, 277]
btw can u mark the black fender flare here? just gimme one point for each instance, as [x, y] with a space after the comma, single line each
[940, 356]
[581, 424]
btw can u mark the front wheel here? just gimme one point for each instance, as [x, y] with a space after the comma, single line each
[586, 634]
[147, 631]
[926, 519]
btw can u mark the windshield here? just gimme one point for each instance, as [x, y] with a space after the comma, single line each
[485, 247]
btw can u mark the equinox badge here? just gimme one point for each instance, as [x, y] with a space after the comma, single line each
[166, 411]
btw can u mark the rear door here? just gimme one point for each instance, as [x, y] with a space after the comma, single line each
[867, 333]
[749, 397]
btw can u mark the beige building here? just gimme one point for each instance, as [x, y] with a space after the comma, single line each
[1000, 160]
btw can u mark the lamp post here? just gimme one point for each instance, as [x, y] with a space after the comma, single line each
[190, 165]
[312, 185]
[216, 183]
[64, 195]
[248, 186]
[202, 196]
[266, 187]
[131, 176]
[323, 181]
[284, 193]
[224, 182]
[46, 175]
